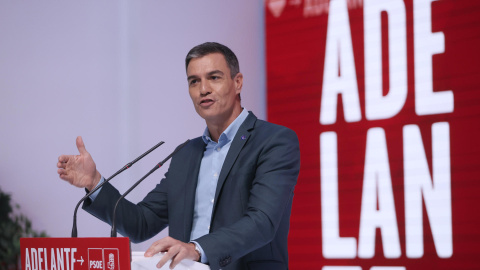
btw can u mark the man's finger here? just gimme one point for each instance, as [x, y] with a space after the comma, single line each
[65, 177]
[153, 249]
[63, 158]
[182, 254]
[172, 251]
[167, 256]
[81, 146]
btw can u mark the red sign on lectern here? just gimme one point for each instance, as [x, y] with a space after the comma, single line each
[75, 253]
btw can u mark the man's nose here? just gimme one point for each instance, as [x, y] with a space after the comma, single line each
[204, 88]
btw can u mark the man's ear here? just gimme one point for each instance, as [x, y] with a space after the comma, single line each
[238, 80]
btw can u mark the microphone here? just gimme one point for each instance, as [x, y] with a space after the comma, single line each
[114, 230]
[128, 165]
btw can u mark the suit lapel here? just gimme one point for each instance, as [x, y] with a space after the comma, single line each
[239, 141]
[194, 161]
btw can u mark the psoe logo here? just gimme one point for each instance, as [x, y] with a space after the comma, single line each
[111, 261]
[103, 259]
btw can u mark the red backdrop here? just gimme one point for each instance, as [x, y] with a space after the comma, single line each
[384, 97]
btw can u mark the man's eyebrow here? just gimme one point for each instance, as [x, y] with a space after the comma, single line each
[215, 72]
[192, 77]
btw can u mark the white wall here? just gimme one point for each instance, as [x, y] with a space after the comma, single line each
[112, 72]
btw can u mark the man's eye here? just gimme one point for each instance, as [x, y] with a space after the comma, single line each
[193, 82]
[215, 78]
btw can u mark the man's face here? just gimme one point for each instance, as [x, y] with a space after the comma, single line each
[213, 91]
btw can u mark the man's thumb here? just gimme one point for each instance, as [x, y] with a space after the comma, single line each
[81, 146]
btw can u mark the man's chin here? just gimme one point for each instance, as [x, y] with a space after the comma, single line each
[206, 116]
[211, 118]
[206, 113]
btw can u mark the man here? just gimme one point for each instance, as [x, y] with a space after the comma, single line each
[227, 195]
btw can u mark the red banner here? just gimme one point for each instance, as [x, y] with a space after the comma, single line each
[384, 96]
[100, 253]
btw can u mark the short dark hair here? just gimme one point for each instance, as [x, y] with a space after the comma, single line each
[214, 47]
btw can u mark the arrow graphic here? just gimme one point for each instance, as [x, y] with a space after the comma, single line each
[81, 260]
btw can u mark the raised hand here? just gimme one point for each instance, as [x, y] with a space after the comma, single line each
[79, 170]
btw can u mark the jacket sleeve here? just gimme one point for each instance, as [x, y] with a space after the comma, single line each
[137, 221]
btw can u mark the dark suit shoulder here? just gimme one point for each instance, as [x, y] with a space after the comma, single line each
[252, 122]
[270, 131]
[268, 125]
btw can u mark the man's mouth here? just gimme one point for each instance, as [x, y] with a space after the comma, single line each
[206, 102]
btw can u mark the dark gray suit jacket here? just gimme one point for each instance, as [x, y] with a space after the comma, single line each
[253, 199]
